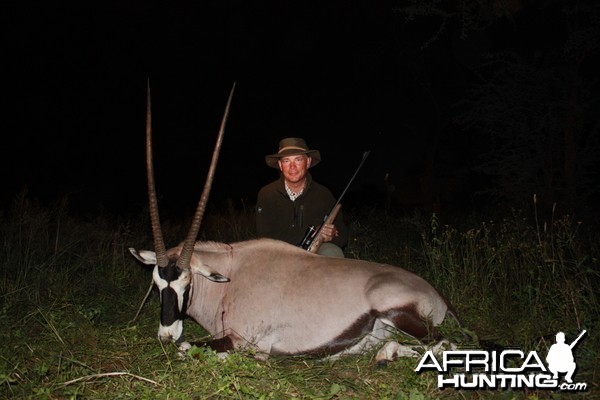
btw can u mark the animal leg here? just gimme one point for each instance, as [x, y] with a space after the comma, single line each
[220, 345]
[223, 345]
[392, 350]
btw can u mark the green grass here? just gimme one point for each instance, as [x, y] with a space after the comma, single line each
[69, 290]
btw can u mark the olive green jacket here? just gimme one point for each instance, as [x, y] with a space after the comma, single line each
[278, 217]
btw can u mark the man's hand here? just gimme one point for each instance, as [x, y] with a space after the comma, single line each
[329, 232]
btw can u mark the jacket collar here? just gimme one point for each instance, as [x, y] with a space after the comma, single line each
[281, 185]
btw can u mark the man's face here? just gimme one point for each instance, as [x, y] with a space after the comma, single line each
[294, 168]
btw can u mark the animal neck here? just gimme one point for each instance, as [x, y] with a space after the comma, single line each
[202, 309]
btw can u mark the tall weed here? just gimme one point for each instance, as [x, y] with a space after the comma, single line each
[531, 281]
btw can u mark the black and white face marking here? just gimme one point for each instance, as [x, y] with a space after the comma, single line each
[174, 287]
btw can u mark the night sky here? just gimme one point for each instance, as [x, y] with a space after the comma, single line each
[348, 76]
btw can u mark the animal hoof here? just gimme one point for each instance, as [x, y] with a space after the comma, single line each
[382, 364]
[184, 346]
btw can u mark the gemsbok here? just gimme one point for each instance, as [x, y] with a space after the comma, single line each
[274, 298]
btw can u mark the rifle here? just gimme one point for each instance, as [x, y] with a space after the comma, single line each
[316, 239]
[577, 340]
[313, 238]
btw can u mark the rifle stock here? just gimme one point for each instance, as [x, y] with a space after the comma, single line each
[318, 238]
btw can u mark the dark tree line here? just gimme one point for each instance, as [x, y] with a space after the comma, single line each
[530, 101]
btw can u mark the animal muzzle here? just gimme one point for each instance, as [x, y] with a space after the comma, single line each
[171, 333]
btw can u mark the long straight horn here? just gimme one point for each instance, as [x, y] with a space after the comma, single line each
[188, 246]
[159, 243]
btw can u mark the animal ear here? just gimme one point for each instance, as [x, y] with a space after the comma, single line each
[209, 273]
[144, 256]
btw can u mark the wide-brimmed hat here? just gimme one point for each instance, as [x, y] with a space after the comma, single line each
[291, 147]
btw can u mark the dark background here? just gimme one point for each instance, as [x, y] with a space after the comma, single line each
[465, 105]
